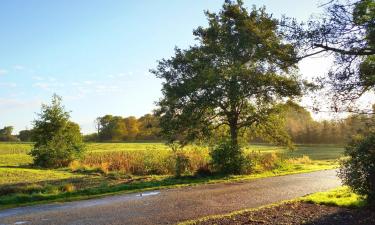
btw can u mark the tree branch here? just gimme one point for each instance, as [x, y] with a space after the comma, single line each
[347, 52]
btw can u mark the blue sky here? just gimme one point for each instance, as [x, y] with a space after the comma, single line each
[97, 54]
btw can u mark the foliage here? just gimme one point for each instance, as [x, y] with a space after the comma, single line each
[117, 128]
[346, 30]
[237, 77]
[303, 129]
[358, 170]
[25, 135]
[58, 141]
[228, 158]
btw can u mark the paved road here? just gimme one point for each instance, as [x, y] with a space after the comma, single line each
[174, 205]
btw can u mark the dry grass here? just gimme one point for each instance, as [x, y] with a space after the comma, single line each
[301, 160]
[144, 162]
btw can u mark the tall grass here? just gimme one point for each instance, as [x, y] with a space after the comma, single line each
[145, 162]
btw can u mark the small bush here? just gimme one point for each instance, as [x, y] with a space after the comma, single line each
[358, 168]
[228, 159]
[270, 161]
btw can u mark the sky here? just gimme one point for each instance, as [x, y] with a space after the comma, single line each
[97, 54]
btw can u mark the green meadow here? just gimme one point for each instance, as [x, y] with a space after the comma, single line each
[110, 168]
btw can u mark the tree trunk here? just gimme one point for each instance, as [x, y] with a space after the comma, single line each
[234, 134]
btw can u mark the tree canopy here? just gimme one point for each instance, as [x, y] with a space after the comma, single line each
[347, 30]
[236, 76]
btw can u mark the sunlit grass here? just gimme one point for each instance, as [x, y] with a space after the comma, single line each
[22, 175]
[341, 196]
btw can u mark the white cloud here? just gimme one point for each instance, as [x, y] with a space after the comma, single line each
[18, 67]
[8, 104]
[120, 75]
[48, 86]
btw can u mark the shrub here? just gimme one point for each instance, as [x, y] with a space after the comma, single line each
[270, 161]
[227, 158]
[58, 141]
[358, 168]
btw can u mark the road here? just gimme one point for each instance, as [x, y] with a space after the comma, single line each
[170, 206]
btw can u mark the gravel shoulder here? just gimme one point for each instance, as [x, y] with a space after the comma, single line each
[298, 213]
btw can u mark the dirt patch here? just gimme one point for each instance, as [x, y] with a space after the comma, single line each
[300, 213]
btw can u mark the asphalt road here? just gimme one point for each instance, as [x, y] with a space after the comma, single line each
[173, 205]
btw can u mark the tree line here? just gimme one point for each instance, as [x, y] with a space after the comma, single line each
[299, 125]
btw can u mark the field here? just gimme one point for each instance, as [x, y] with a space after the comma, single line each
[122, 167]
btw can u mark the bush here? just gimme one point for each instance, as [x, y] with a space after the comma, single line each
[269, 160]
[227, 158]
[358, 168]
[58, 141]
[64, 147]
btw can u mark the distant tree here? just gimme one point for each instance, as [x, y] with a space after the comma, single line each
[236, 77]
[112, 128]
[132, 127]
[58, 141]
[25, 135]
[91, 137]
[148, 127]
[6, 134]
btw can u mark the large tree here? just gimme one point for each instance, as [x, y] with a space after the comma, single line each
[235, 76]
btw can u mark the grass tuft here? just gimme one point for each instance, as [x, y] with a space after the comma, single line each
[341, 196]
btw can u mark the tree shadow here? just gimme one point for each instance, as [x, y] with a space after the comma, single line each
[347, 216]
[48, 186]
[26, 166]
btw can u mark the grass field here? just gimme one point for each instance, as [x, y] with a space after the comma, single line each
[22, 184]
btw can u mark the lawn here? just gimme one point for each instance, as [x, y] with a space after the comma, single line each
[22, 184]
